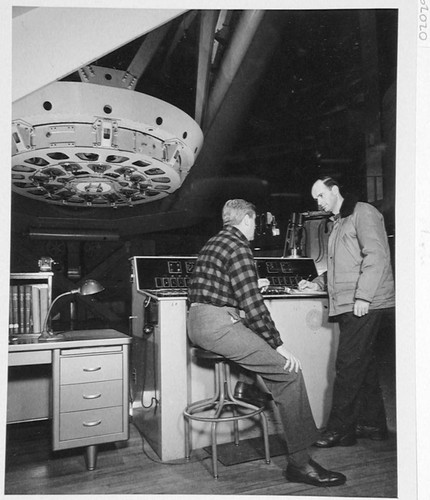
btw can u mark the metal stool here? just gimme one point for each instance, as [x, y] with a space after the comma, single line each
[222, 399]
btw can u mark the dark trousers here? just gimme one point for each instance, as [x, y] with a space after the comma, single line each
[217, 329]
[357, 396]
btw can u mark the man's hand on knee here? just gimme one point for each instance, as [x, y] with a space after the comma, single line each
[292, 362]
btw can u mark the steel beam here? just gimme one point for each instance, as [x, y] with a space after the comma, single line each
[49, 43]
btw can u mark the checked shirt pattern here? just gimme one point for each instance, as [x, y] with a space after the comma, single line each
[225, 275]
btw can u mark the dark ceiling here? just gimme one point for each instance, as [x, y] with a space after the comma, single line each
[298, 107]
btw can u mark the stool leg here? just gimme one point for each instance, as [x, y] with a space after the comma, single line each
[227, 381]
[214, 451]
[220, 384]
[220, 377]
[187, 438]
[235, 428]
[265, 437]
[218, 388]
[221, 367]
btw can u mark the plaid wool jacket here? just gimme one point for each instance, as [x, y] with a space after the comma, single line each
[225, 274]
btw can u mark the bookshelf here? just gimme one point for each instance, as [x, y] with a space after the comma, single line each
[29, 387]
[29, 300]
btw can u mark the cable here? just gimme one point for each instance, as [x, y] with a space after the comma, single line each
[320, 242]
[146, 365]
[288, 236]
[304, 240]
[154, 458]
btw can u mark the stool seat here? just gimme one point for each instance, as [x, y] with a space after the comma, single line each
[198, 352]
[222, 399]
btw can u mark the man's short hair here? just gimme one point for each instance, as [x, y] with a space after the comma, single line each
[329, 181]
[235, 210]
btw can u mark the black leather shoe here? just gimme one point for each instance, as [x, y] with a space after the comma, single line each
[371, 432]
[251, 394]
[331, 438]
[315, 474]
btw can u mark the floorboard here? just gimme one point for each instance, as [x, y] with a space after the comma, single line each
[132, 467]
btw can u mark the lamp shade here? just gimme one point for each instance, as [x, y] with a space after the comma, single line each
[89, 287]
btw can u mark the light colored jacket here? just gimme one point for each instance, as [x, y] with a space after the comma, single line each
[358, 260]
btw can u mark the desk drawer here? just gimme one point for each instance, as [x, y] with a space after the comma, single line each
[23, 358]
[75, 397]
[89, 423]
[81, 369]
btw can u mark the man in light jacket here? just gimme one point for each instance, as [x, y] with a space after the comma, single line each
[360, 286]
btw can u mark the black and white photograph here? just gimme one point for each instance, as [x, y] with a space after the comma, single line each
[216, 243]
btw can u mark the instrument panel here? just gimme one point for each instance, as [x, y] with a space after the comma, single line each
[169, 276]
[284, 271]
[163, 273]
[179, 267]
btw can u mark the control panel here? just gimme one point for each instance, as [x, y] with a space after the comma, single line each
[164, 276]
[170, 275]
[284, 271]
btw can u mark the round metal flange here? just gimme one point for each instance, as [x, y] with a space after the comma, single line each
[78, 144]
[85, 177]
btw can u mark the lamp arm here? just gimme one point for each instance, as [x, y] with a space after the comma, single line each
[45, 323]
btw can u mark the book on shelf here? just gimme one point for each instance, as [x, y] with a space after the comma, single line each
[10, 313]
[28, 307]
[43, 302]
[35, 309]
[21, 308]
[14, 311]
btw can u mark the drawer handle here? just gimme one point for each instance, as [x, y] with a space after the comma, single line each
[92, 424]
[95, 369]
[91, 396]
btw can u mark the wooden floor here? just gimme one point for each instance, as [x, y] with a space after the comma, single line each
[131, 467]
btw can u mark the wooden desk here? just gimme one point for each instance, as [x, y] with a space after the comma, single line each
[80, 382]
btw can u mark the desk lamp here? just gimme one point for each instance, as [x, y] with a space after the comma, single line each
[89, 287]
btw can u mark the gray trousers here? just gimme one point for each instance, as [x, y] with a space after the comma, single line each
[220, 330]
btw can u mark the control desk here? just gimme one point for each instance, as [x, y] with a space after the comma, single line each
[164, 378]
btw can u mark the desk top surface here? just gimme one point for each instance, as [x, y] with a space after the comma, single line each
[72, 339]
